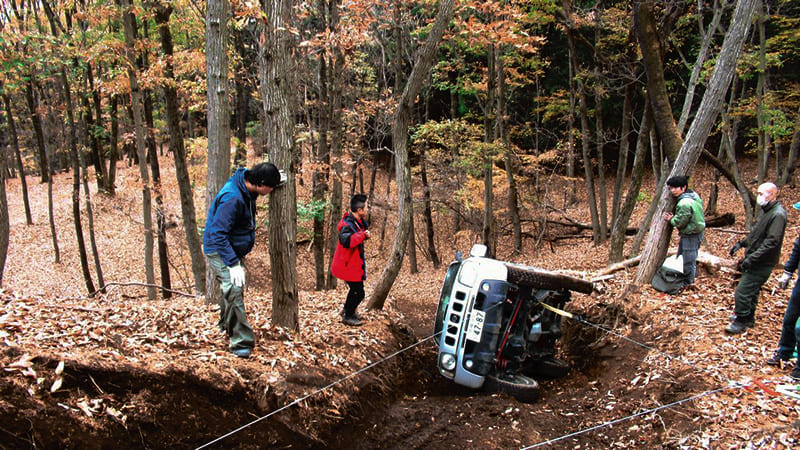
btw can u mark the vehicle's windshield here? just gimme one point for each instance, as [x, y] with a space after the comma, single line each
[444, 298]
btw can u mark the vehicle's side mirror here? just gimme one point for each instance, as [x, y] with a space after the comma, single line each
[478, 250]
[459, 256]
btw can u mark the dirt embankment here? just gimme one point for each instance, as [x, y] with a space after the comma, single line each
[180, 402]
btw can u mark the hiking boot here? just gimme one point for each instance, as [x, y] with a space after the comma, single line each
[242, 352]
[737, 327]
[777, 361]
[795, 374]
[355, 314]
[352, 321]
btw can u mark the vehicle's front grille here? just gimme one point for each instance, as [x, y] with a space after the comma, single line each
[455, 317]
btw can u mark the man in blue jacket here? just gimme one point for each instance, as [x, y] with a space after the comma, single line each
[229, 235]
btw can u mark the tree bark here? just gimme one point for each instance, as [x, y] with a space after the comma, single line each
[488, 232]
[334, 178]
[219, 126]
[702, 56]
[18, 155]
[508, 154]
[98, 269]
[136, 103]
[76, 184]
[113, 152]
[624, 147]
[4, 221]
[617, 244]
[794, 151]
[427, 212]
[36, 120]
[649, 44]
[402, 117]
[656, 246]
[275, 73]
[178, 150]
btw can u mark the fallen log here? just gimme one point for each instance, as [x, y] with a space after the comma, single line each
[723, 220]
[711, 263]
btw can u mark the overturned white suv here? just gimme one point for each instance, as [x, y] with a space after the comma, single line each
[492, 329]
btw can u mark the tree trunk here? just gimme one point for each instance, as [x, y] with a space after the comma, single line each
[176, 147]
[664, 122]
[336, 157]
[136, 103]
[386, 212]
[713, 195]
[587, 162]
[161, 232]
[36, 120]
[4, 222]
[98, 269]
[488, 232]
[702, 56]
[791, 159]
[319, 176]
[599, 132]
[656, 246]
[94, 123]
[402, 117]
[427, 212]
[219, 126]
[413, 268]
[275, 73]
[508, 154]
[113, 152]
[617, 244]
[602, 197]
[761, 94]
[624, 147]
[571, 153]
[242, 101]
[76, 184]
[15, 142]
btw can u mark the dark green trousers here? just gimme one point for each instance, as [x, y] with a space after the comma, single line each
[747, 291]
[232, 318]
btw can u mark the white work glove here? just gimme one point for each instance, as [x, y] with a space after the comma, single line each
[237, 275]
[783, 281]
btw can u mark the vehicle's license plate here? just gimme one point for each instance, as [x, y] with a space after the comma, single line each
[475, 326]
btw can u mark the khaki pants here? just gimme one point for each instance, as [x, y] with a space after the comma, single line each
[232, 318]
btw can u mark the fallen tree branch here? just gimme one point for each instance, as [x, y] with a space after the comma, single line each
[711, 263]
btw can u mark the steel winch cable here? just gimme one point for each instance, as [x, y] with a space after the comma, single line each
[324, 388]
[730, 383]
[632, 416]
[580, 319]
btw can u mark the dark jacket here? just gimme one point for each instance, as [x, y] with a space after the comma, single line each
[348, 261]
[231, 222]
[794, 258]
[764, 242]
[688, 218]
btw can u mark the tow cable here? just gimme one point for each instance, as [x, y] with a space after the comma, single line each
[576, 317]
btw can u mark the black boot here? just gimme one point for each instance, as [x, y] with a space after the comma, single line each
[740, 324]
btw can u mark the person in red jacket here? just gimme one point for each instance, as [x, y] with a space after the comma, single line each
[349, 263]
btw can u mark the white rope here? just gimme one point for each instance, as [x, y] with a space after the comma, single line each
[341, 380]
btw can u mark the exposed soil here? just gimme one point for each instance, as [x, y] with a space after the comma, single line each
[156, 374]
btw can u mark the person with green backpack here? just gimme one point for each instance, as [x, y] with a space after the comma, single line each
[689, 221]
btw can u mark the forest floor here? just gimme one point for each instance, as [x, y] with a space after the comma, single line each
[117, 370]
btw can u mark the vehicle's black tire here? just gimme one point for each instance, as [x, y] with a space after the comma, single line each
[546, 368]
[543, 279]
[522, 388]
